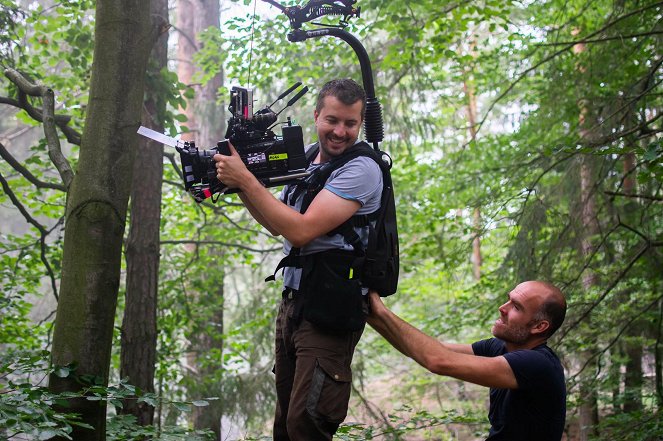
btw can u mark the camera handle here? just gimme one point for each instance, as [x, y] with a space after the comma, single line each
[374, 131]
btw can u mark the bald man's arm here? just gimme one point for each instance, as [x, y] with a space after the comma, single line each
[452, 360]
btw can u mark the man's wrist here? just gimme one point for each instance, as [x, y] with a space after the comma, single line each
[249, 185]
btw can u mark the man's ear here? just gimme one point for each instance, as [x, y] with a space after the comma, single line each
[315, 115]
[540, 327]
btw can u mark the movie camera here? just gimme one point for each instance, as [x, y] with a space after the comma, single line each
[273, 160]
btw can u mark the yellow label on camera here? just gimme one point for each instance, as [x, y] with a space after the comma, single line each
[278, 156]
[352, 272]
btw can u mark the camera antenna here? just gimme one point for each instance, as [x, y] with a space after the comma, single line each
[286, 93]
[294, 99]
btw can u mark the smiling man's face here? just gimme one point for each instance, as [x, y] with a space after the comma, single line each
[338, 126]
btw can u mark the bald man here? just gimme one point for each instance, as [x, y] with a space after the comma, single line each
[525, 377]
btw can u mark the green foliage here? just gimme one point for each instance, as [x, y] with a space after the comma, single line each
[636, 426]
[406, 421]
[125, 428]
[403, 422]
[210, 58]
[167, 92]
[10, 17]
[27, 408]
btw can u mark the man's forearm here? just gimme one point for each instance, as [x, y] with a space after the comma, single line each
[406, 338]
[256, 214]
[387, 332]
[267, 210]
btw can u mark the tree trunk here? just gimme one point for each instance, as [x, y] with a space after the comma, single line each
[97, 205]
[588, 409]
[206, 124]
[139, 327]
[658, 358]
[207, 338]
[633, 341]
[205, 118]
[633, 376]
[615, 376]
[468, 86]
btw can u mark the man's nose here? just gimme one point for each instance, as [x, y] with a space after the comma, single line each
[339, 130]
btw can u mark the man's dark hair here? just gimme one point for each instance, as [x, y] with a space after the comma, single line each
[345, 90]
[553, 308]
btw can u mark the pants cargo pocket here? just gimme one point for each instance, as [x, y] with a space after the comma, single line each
[330, 391]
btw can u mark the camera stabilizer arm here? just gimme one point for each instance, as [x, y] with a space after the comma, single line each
[317, 8]
[373, 129]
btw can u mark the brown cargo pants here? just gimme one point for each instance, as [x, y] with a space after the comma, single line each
[313, 376]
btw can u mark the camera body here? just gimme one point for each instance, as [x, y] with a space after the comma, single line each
[273, 160]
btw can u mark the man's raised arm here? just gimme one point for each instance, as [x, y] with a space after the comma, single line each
[454, 360]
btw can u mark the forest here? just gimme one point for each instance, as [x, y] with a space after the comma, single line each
[526, 139]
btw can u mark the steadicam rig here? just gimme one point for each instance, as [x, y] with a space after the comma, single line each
[273, 160]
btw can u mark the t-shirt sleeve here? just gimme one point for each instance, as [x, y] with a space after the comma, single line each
[359, 180]
[490, 347]
[531, 368]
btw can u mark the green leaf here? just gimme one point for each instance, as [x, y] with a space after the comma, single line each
[182, 407]
[49, 433]
[62, 371]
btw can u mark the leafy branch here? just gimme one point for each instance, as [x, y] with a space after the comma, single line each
[644, 247]
[48, 118]
[4, 153]
[42, 232]
[635, 196]
[554, 55]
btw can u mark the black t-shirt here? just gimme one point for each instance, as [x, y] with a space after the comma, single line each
[537, 409]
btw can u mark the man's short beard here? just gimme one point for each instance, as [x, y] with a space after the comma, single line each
[331, 153]
[517, 335]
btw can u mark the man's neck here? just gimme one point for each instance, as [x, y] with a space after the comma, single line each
[510, 347]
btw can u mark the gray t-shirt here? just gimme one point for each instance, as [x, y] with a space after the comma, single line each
[359, 180]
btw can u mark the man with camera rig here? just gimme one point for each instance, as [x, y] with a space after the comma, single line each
[322, 314]
[525, 377]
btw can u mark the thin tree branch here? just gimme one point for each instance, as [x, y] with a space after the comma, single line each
[173, 162]
[616, 338]
[61, 121]
[54, 149]
[642, 127]
[189, 39]
[42, 232]
[635, 196]
[524, 73]
[643, 249]
[26, 173]
[595, 250]
[48, 119]
[372, 409]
